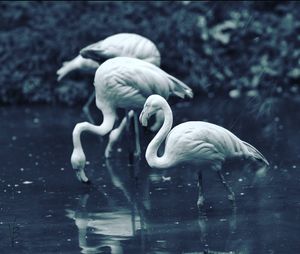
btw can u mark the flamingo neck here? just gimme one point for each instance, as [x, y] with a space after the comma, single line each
[109, 118]
[151, 153]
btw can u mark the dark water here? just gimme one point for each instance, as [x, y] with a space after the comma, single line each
[44, 209]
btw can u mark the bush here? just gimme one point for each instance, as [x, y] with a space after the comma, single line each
[215, 47]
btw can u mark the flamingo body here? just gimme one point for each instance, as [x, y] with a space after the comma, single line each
[123, 44]
[124, 82]
[202, 142]
[194, 142]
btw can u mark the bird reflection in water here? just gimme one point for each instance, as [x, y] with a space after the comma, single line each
[103, 231]
[127, 221]
[111, 227]
[212, 226]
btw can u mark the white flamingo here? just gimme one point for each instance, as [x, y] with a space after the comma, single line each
[194, 142]
[123, 82]
[122, 44]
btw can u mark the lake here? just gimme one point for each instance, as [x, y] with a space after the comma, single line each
[131, 208]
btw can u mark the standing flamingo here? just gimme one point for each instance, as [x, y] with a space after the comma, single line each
[123, 82]
[122, 44]
[195, 142]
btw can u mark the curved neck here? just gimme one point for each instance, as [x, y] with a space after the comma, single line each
[109, 118]
[151, 152]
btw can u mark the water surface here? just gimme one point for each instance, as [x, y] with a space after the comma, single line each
[136, 209]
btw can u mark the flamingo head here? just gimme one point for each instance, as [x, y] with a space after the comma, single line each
[78, 163]
[93, 51]
[151, 106]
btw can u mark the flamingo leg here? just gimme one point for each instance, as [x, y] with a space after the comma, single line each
[115, 134]
[130, 149]
[86, 108]
[231, 195]
[137, 137]
[202, 222]
[200, 201]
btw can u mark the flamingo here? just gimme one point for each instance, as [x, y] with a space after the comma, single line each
[194, 142]
[121, 44]
[123, 82]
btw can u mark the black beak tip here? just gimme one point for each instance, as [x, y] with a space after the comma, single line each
[88, 182]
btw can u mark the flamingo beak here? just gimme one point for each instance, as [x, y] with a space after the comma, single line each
[82, 177]
[78, 159]
[78, 163]
[144, 117]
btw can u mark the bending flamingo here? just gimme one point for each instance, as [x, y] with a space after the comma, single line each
[123, 82]
[122, 44]
[194, 142]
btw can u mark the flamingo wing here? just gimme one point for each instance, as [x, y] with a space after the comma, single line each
[174, 85]
[127, 44]
[129, 88]
[143, 77]
[188, 142]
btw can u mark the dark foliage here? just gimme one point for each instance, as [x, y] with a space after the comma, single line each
[251, 48]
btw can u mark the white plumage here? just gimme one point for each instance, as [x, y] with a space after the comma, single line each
[193, 142]
[122, 44]
[127, 82]
[123, 82]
